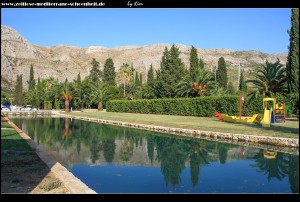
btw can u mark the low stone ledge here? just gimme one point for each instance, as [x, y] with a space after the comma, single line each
[228, 137]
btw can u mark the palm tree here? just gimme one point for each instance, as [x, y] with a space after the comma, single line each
[189, 88]
[270, 80]
[99, 94]
[125, 73]
[67, 95]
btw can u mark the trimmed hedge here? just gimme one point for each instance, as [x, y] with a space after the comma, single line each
[200, 106]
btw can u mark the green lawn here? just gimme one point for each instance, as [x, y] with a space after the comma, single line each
[11, 140]
[290, 129]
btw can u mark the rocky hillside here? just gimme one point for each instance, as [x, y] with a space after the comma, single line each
[62, 62]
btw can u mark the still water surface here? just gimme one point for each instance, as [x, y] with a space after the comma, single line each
[114, 159]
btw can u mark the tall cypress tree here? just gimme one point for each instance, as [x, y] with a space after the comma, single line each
[292, 67]
[150, 77]
[141, 79]
[201, 64]
[31, 79]
[136, 79]
[171, 71]
[109, 74]
[194, 63]
[221, 74]
[242, 84]
[95, 73]
[19, 90]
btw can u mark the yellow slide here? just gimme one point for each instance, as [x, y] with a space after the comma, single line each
[265, 122]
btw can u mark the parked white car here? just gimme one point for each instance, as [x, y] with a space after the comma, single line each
[5, 109]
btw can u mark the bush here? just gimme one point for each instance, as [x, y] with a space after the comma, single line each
[201, 106]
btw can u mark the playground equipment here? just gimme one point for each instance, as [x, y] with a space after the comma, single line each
[273, 112]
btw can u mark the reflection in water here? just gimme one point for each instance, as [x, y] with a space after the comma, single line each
[185, 165]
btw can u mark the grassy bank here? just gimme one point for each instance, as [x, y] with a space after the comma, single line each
[290, 129]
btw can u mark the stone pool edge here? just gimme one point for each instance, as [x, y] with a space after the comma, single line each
[75, 185]
[230, 137]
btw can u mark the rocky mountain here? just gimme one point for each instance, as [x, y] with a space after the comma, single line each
[62, 62]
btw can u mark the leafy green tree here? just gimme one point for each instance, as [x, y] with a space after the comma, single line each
[194, 63]
[270, 80]
[171, 71]
[242, 85]
[31, 79]
[109, 74]
[95, 73]
[193, 88]
[292, 66]
[99, 95]
[221, 74]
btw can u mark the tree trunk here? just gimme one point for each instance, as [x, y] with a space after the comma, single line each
[67, 106]
[100, 107]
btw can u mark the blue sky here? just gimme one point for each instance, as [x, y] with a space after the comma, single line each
[263, 30]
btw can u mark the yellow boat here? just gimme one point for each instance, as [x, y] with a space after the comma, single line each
[237, 119]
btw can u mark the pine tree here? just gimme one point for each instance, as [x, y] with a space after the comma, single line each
[171, 71]
[109, 74]
[136, 79]
[292, 66]
[242, 84]
[31, 79]
[141, 79]
[95, 73]
[194, 63]
[221, 74]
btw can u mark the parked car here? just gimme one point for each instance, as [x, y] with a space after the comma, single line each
[5, 109]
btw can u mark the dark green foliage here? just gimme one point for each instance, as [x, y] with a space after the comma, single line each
[242, 84]
[194, 63]
[202, 106]
[136, 79]
[31, 79]
[171, 71]
[109, 74]
[270, 81]
[19, 90]
[230, 88]
[201, 64]
[222, 74]
[95, 73]
[293, 56]
[150, 77]
[141, 79]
